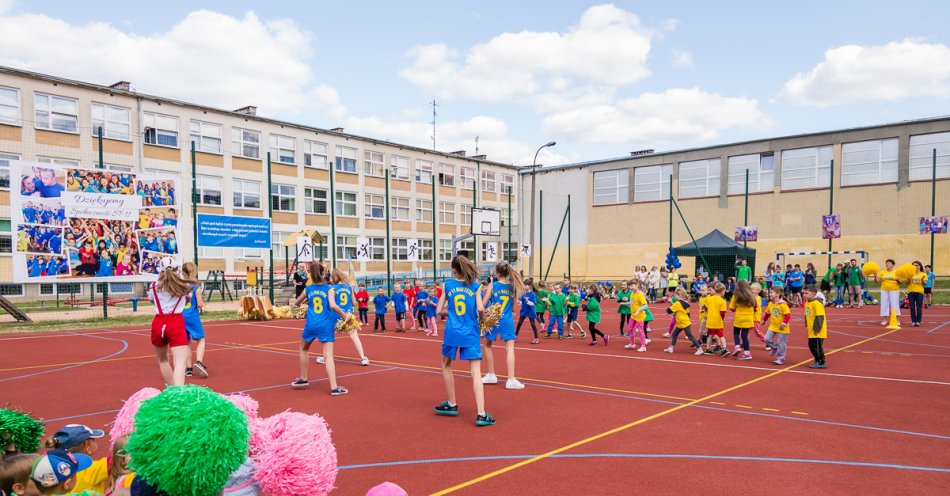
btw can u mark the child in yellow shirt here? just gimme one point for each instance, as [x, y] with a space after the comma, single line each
[704, 293]
[680, 312]
[638, 306]
[715, 313]
[777, 316]
[816, 325]
[745, 305]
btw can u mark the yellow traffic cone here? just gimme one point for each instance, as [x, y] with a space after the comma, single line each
[893, 323]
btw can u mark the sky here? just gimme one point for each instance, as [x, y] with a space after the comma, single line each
[600, 79]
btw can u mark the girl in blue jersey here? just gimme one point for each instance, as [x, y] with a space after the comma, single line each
[192, 315]
[503, 292]
[432, 316]
[460, 301]
[343, 289]
[322, 314]
[105, 264]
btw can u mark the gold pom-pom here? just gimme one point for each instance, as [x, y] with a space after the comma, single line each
[300, 312]
[489, 319]
[905, 272]
[348, 324]
[870, 269]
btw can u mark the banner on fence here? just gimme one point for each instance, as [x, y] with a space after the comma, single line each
[231, 231]
[525, 250]
[830, 226]
[362, 249]
[412, 247]
[491, 252]
[934, 225]
[746, 233]
[95, 225]
[304, 249]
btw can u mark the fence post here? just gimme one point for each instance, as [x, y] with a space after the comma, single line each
[568, 236]
[508, 255]
[472, 218]
[540, 234]
[745, 218]
[435, 227]
[389, 256]
[101, 164]
[333, 215]
[933, 207]
[194, 204]
[831, 203]
[270, 213]
[105, 300]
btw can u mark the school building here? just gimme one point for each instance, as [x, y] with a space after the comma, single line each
[879, 176]
[54, 120]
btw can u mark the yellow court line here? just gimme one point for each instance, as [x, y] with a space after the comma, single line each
[744, 406]
[643, 420]
[770, 409]
[799, 413]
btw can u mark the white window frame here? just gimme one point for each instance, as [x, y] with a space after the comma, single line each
[611, 187]
[510, 251]
[159, 125]
[9, 107]
[206, 135]
[647, 187]
[6, 287]
[421, 210]
[246, 143]
[118, 168]
[346, 158]
[374, 206]
[425, 250]
[921, 156]
[761, 168]
[112, 128]
[312, 200]
[446, 175]
[811, 165]
[400, 247]
[51, 113]
[488, 181]
[5, 159]
[284, 193]
[345, 246]
[869, 162]
[400, 209]
[277, 239]
[507, 183]
[283, 149]
[210, 252]
[706, 171]
[68, 162]
[445, 250]
[424, 171]
[377, 248]
[245, 189]
[467, 177]
[343, 201]
[465, 215]
[374, 163]
[399, 167]
[202, 187]
[315, 155]
[249, 253]
[446, 212]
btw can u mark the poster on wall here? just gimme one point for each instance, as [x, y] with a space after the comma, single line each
[95, 225]
[746, 233]
[830, 226]
[934, 225]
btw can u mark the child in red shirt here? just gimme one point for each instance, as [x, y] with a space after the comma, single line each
[362, 298]
[410, 293]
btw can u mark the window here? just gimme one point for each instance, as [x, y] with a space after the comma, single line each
[120, 287]
[346, 159]
[806, 168]
[114, 121]
[315, 155]
[118, 168]
[869, 162]
[210, 252]
[700, 178]
[424, 171]
[468, 178]
[488, 181]
[400, 208]
[208, 189]
[375, 206]
[610, 187]
[423, 211]
[400, 249]
[160, 129]
[11, 290]
[761, 173]
[921, 156]
[249, 252]
[373, 164]
[58, 161]
[400, 168]
[377, 248]
[510, 251]
[246, 143]
[315, 201]
[56, 113]
[282, 149]
[494, 247]
[63, 289]
[465, 216]
[505, 215]
[445, 250]
[9, 105]
[652, 183]
[425, 250]
[5, 159]
[447, 175]
[507, 183]
[247, 194]
[446, 213]
[6, 236]
[207, 136]
[345, 204]
[277, 242]
[283, 197]
[346, 247]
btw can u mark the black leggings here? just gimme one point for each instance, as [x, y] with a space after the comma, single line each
[689, 335]
[421, 319]
[364, 315]
[624, 318]
[816, 345]
[380, 321]
[534, 326]
[592, 327]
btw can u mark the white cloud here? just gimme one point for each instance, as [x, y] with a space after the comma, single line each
[609, 47]
[682, 59]
[207, 58]
[853, 73]
[678, 115]
[6, 5]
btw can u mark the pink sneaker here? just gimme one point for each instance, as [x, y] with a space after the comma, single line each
[606, 339]
[593, 343]
[745, 356]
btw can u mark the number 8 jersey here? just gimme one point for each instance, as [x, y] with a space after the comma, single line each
[319, 315]
[461, 328]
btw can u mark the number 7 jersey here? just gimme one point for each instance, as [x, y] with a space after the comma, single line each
[461, 328]
[501, 294]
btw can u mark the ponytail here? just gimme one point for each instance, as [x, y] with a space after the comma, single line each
[190, 272]
[465, 269]
[504, 269]
[337, 276]
[318, 273]
[169, 281]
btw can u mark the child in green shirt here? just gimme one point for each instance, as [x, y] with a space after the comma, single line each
[556, 304]
[593, 316]
[623, 299]
[573, 307]
[541, 305]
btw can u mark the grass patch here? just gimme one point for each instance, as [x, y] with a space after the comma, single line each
[94, 323]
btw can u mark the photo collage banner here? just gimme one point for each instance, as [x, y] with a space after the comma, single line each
[91, 225]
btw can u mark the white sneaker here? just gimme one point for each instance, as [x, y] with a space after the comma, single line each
[364, 362]
[321, 360]
[647, 341]
[514, 384]
[642, 348]
[666, 334]
[668, 350]
[490, 379]
[699, 351]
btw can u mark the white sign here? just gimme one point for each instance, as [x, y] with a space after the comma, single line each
[362, 249]
[525, 250]
[101, 205]
[413, 250]
[491, 252]
[304, 249]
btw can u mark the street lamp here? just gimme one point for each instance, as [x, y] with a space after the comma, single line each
[534, 172]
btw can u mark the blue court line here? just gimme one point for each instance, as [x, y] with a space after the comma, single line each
[939, 326]
[652, 456]
[125, 346]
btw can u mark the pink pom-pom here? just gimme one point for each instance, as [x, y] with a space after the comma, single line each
[247, 404]
[124, 422]
[293, 454]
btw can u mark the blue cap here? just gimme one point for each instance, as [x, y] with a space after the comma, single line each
[75, 434]
[57, 466]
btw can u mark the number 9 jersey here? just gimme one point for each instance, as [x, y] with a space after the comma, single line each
[344, 297]
[461, 328]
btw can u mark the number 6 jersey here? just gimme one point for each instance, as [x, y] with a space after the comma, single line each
[461, 328]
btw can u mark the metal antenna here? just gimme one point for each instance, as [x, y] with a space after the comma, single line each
[434, 105]
[476, 145]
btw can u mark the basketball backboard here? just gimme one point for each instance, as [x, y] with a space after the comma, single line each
[486, 222]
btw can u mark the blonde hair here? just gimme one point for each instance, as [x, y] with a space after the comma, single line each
[745, 295]
[337, 276]
[169, 281]
[504, 269]
[117, 466]
[465, 269]
[681, 293]
[190, 271]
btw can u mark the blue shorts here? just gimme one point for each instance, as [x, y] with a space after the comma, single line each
[310, 333]
[194, 328]
[504, 332]
[572, 315]
[464, 352]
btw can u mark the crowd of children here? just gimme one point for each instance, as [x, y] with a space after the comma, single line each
[95, 181]
[156, 193]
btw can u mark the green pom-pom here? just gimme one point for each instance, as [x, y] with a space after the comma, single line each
[20, 429]
[188, 440]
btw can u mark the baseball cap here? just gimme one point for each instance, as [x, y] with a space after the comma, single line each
[75, 434]
[57, 466]
[387, 489]
[167, 263]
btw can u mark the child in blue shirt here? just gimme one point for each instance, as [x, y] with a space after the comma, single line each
[105, 264]
[379, 303]
[399, 306]
[431, 305]
[419, 312]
